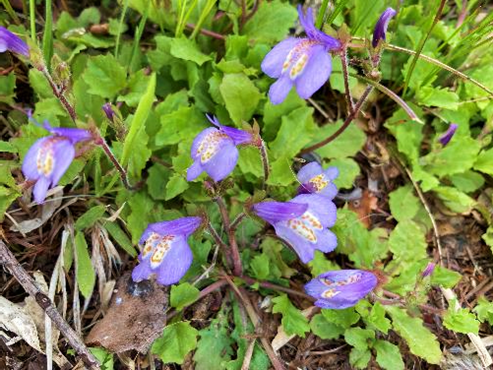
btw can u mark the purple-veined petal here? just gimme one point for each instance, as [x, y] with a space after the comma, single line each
[176, 263]
[40, 189]
[303, 248]
[274, 212]
[198, 141]
[272, 65]
[9, 41]
[308, 171]
[223, 162]
[29, 165]
[142, 271]
[322, 208]
[332, 173]
[181, 226]
[381, 27]
[238, 136]
[194, 170]
[108, 111]
[342, 288]
[64, 153]
[314, 33]
[279, 90]
[428, 270]
[316, 72]
[73, 134]
[447, 136]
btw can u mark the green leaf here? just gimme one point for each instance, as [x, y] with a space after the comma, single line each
[137, 86]
[104, 76]
[214, 346]
[138, 122]
[175, 343]
[183, 295]
[86, 277]
[344, 318]
[348, 171]
[7, 87]
[293, 320]
[260, 266]
[7, 196]
[420, 340]
[484, 310]
[271, 22]
[359, 338]
[444, 277]
[320, 264]
[377, 319]
[484, 162]
[7, 147]
[404, 205]
[250, 162]
[468, 181]
[175, 186]
[240, 95]
[187, 49]
[349, 143]
[120, 237]
[457, 157]
[105, 358]
[454, 199]
[181, 125]
[388, 355]
[90, 217]
[408, 242]
[359, 358]
[461, 320]
[325, 329]
[437, 97]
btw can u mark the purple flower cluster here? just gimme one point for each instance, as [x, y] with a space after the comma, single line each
[50, 157]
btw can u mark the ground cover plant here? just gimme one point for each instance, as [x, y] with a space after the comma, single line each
[246, 184]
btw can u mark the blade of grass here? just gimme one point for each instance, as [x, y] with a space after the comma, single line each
[421, 45]
[122, 18]
[321, 13]
[138, 35]
[139, 119]
[205, 12]
[340, 5]
[32, 19]
[48, 34]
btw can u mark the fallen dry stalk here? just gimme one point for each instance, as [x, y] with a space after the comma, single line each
[14, 267]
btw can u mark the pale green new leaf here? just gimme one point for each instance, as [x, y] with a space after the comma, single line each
[388, 355]
[176, 342]
[293, 320]
[86, 277]
[183, 295]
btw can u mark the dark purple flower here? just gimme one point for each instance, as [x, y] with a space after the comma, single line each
[214, 150]
[447, 136]
[165, 250]
[302, 62]
[428, 270]
[314, 179]
[49, 158]
[302, 223]
[382, 25]
[9, 41]
[341, 288]
[108, 111]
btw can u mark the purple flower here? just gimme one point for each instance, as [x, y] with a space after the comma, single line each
[49, 158]
[302, 62]
[341, 288]
[165, 250]
[108, 111]
[9, 41]
[447, 136]
[214, 151]
[314, 179]
[428, 270]
[382, 25]
[302, 223]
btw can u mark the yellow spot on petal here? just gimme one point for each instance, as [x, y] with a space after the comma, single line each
[330, 293]
[319, 182]
[305, 226]
[210, 144]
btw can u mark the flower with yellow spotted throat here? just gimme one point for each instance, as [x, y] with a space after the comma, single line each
[49, 158]
[165, 250]
[341, 288]
[304, 63]
[315, 180]
[302, 223]
[214, 150]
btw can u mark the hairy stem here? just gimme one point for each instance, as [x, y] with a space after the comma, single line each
[344, 126]
[265, 163]
[235, 253]
[345, 74]
[59, 94]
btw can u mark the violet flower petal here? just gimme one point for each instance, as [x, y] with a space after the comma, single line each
[341, 289]
[181, 226]
[447, 136]
[238, 136]
[274, 212]
[322, 208]
[272, 65]
[176, 263]
[381, 27]
[141, 272]
[428, 270]
[194, 170]
[303, 248]
[316, 72]
[223, 163]
[29, 165]
[315, 180]
[279, 90]
[40, 189]
[12, 42]
[63, 153]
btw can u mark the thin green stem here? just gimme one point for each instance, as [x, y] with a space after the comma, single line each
[48, 34]
[207, 9]
[120, 27]
[319, 23]
[265, 163]
[32, 19]
[11, 11]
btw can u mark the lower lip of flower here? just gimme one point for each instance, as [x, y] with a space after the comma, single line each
[209, 146]
[305, 226]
